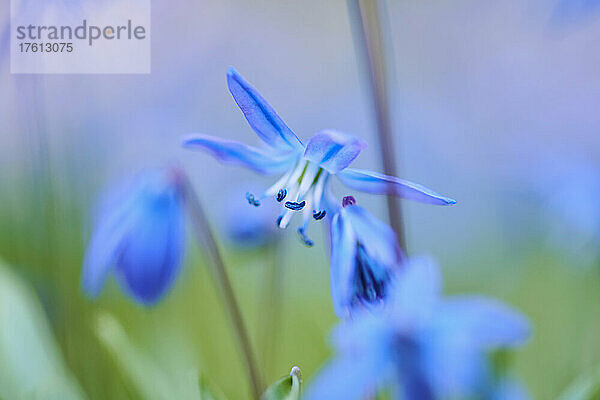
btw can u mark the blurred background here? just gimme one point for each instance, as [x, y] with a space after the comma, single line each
[493, 104]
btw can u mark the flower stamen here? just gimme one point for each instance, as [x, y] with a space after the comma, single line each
[348, 201]
[252, 200]
[318, 215]
[294, 205]
[303, 238]
[281, 195]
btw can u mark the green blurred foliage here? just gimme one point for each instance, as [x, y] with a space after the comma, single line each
[586, 387]
[31, 364]
[286, 388]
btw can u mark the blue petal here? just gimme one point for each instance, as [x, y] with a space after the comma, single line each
[346, 378]
[454, 368]
[486, 322]
[333, 150]
[510, 389]
[365, 333]
[365, 360]
[416, 293]
[100, 253]
[260, 115]
[151, 254]
[329, 202]
[373, 182]
[376, 258]
[111, 224]
[232, 152]
[343, 250]
[415, 382]
[377, 237]
[462, 330]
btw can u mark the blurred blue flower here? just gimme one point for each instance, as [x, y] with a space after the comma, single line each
[306, 168]
[138, 234]
[420, 346]
[568, 11]
[364, 256]
[248, 229]
[569, 190]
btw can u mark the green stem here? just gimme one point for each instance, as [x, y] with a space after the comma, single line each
[206, 238]
[271, 304]
[365, 21]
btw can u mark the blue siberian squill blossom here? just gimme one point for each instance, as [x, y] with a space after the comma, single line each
[305, 168]
[420, 346]
[365, 255]
[139, 236]
[248, 230]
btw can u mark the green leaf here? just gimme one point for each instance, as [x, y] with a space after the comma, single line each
[151, 379]
[205, 392]
[31, 365]
[286, 388]
[586, 387]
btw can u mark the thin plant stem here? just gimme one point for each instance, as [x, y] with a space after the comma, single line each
[219, 272]
[271, 303]
[369, 44]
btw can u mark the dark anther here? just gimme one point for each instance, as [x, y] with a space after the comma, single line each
[281, 195]
[279, 220]
[348, 201]
[293, 205]
[370, 279]
[252, 200]
[319, 214]
[304, 239]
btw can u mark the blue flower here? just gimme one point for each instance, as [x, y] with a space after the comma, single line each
[568, 191]
[572, 11]
[306, 168]
[139, 235]
[421, 346]
[364, 257]
[248, 230]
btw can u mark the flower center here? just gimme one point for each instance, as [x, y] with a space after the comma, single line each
[370, 279]
[300, 189]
